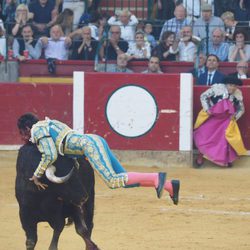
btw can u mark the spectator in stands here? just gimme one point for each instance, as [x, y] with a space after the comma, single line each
[26, 44]
[230, 24]
[86, 48]
[127, 23]
[113, 46]
[204, 26]
[161, 9]
[216, 132]
[241, 71]
[9, 12]
[77, 6]
[1, 9]
[140, 26]
[240, 51]
[211, 75]
[242, 10]
[175, 24]
[165, 50]
[2, 44]
[94, 25]
[221, 6]
[148, 29]
[98, 24]
[57, 46]
[217, 46]
[186, 45]
[121, 66]
[65, 20]
[139, 49]
[103, 28]
[2, 25]
[93, 5]
[44, 16]
[201, 66]
[22, 18]
[193, 8]
[153, 66]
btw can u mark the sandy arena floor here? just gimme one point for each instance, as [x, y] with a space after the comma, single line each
[213, 213]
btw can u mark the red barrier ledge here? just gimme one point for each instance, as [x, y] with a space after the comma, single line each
[39, 68]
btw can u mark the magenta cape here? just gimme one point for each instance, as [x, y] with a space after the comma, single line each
[210, 138]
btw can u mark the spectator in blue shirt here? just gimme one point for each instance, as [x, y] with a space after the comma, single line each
[217, 46]
[148, 29]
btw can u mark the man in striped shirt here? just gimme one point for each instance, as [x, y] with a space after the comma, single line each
[175, 24]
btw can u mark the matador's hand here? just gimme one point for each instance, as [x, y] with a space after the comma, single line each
[39, 184]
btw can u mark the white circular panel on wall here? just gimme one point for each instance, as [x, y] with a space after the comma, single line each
[131, 111]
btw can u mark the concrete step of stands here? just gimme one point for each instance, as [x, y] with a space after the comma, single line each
[138, 7]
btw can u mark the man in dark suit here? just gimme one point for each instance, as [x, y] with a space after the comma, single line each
[211, 75]
[241, 71]
[201, 68]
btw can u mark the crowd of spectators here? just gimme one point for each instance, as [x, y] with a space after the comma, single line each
[66, 29]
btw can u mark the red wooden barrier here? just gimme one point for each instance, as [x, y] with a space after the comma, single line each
[45, 100]
[55, 101]
[66, 68]
[135, 112]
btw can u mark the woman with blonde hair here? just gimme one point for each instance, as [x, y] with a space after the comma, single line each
[22, 17]
[139, 49]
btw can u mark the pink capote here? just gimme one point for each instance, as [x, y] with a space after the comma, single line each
[210, 137]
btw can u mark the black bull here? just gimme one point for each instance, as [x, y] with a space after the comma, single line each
[58, 201]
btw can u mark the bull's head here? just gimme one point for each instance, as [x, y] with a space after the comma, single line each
[50, 174]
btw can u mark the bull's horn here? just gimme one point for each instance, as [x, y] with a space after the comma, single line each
[50, 174]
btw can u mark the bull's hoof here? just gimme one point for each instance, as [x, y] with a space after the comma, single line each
[30, 245]
[53, 248]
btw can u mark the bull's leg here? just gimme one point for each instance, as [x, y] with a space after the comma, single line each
[55, 239]
[89, 212]
[30, 227]
[31, 237]
[57, 224]
[82, 229]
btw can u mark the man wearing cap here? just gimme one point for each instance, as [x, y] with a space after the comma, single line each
[204, 26]
[216, 133]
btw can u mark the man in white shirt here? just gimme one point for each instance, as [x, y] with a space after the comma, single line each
[186, 47]
[57, 46]
[127, 23]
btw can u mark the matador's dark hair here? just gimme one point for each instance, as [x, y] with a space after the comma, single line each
[27, 120]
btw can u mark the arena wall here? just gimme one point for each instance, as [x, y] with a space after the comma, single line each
[165, 139]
